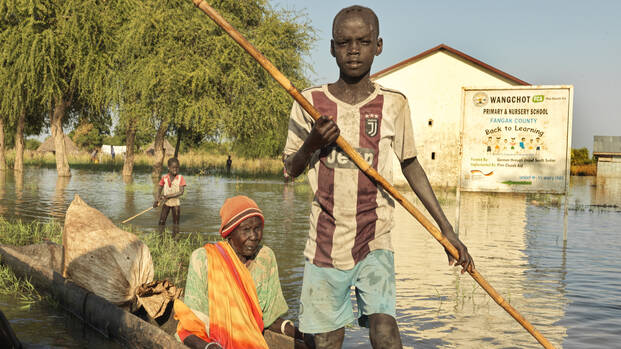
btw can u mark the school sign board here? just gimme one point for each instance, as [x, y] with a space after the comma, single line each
[516, 139]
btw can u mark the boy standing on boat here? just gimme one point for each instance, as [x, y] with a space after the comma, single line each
[351, 218]
[171, 187]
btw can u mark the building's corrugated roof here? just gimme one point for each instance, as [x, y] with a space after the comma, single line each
[455, 52]
[606, 144]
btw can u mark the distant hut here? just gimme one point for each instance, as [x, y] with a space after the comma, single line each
[48, 146]
[169, 150]
[607, 150]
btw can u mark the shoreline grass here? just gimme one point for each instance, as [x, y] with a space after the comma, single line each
[20, 288]
[192, 163]
[18, 234]
[170, 255]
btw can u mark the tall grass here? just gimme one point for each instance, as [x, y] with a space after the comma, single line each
[584, 170]
[192, 162]
[171, 255]
[20, 288]
[18, 233]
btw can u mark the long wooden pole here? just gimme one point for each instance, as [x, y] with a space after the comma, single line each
[134, 216]
[365, 167]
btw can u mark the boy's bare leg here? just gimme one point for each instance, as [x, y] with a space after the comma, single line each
[176, 213]
[330, 340]
[384, 332]
[164, 215]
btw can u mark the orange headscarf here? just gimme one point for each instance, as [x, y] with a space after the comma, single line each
[235, 210]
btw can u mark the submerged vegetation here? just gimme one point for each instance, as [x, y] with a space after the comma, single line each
[21, 289]
[19, 234]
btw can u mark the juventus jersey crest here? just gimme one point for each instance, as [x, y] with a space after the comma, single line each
[371, 124]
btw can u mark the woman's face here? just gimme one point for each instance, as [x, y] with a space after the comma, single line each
[246, 237]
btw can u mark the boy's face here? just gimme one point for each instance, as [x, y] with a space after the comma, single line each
[173, 169]
[355, 44]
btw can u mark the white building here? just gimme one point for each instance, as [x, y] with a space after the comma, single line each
[433, 82]
[607, 150]
[118, 149]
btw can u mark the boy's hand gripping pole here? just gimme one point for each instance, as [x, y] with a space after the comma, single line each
[365, 167]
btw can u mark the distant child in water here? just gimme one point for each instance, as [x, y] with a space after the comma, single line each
[171, 188]
[229, 162]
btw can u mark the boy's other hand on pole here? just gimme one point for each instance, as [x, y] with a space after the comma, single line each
[465, 260]
[159, 201]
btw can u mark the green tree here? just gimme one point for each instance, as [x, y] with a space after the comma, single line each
[90, 128]
[580, 156]
[180, 71]
[16, 101]
[3, 166]
[3, 123]
[5, 23]
[64, 52]
[258, 122]
[87, 136]
[32, 144]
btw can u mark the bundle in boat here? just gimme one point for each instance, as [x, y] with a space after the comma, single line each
[102, 258]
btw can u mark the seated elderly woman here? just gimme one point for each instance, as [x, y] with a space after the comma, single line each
[233, 291]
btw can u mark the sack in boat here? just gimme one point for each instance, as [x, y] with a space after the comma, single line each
[155, 296]
[102, 258]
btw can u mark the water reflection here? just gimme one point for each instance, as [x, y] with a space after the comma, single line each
[43, 326]
[439, 307]
[58, 201]
[128, 179]
[607, 191]
[130, 202]
[3, 206]
[19, 187]
[601, 192]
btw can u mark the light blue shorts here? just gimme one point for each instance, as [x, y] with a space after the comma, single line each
[326, 293]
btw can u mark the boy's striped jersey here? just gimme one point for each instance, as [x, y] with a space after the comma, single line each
[350, 215]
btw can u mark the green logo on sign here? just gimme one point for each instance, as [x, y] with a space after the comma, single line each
[537, 98]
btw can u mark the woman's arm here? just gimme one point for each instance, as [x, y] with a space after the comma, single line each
[194, 342]
[286, 327]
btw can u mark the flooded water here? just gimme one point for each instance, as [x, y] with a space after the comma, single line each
[43, 326]
[569, 290]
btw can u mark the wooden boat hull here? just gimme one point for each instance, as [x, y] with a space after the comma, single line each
[41, 264]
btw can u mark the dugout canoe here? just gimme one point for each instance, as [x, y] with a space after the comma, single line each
[41, 263]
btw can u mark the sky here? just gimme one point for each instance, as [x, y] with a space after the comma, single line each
[541, 42]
